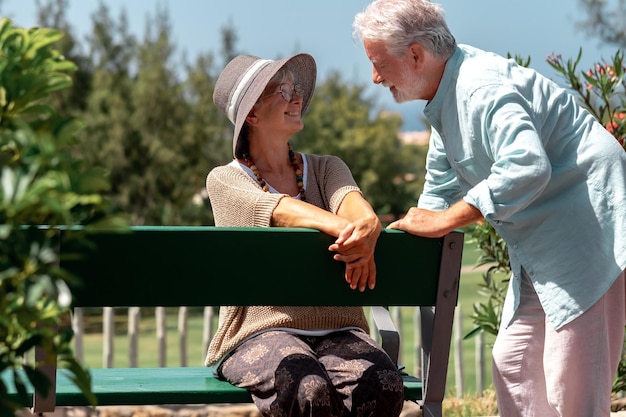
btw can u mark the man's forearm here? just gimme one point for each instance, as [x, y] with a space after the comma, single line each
[461, 214]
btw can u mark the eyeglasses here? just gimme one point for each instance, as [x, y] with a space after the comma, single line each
[287, 90]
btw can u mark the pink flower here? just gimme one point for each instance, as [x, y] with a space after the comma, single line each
[612, 126]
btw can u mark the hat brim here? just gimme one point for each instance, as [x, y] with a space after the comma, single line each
[305, 72]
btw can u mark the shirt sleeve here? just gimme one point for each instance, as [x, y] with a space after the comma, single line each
[441, 188]
[505, 125]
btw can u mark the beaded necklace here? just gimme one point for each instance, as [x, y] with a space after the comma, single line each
[294, 162]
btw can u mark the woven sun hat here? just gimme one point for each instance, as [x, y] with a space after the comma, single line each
[244, 78]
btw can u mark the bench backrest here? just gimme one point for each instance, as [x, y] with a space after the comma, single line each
[201, 266]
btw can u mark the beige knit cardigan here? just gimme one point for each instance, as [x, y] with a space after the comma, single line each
[238, 201]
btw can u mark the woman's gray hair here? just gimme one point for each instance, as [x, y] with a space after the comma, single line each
[399, 23]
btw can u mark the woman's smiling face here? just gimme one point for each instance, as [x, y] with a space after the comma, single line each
[273, 109]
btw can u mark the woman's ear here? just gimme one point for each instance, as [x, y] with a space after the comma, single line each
[252, 119]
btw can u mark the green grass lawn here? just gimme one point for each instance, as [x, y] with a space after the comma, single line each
[148, 345]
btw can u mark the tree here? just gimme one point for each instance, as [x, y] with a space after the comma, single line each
[52, 15]
[229, 40]
[158, 182]
[206, 137]
[109, 106]
[159, 136]
[605, 20]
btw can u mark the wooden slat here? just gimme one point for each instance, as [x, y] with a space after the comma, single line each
[158, 386]
[162, 266]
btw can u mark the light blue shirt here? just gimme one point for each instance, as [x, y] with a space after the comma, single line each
[540, 168]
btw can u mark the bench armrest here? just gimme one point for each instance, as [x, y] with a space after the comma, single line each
[388, 333]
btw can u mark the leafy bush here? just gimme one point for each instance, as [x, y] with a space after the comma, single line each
[487, 316]
[41, 187]
[602, 90]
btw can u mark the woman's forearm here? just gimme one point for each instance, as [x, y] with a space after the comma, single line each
[291, 212]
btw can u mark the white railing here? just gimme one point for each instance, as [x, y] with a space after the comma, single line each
[133, 331]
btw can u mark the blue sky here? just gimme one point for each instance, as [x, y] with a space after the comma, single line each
[323, 28]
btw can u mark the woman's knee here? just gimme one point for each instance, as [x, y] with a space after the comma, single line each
[380, 392]
[303, 388]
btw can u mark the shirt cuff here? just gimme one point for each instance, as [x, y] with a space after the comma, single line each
[480, 197]
[433, 203]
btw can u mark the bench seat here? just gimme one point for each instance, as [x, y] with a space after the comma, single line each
[160, 386]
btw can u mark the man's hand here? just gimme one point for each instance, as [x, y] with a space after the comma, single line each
[427, 223]
[422, 222]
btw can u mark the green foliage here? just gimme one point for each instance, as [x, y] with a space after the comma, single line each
[604, 20]
[602, 89]
[30, 70]
[486, 316]
[157, 135]
[43, 186]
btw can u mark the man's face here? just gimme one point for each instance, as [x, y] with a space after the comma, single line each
[399, 74]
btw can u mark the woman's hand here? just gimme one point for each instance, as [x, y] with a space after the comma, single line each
[355, 246]
[356, 226]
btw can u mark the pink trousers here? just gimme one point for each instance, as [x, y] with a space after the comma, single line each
[541, 372]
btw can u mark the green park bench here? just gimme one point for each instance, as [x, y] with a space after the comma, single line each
[211, 266]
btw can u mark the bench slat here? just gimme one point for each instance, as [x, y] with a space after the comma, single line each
[160, 386]
[137, 386]
[164, 266]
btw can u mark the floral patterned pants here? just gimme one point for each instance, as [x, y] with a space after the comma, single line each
[337, 375]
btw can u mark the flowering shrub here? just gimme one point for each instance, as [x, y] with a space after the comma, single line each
[602, 90]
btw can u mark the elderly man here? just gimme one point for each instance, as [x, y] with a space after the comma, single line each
[510, 146]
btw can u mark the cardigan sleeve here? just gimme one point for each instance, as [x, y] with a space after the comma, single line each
[332, 181]
[237, 200]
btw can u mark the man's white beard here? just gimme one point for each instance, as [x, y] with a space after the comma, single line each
[413, 90]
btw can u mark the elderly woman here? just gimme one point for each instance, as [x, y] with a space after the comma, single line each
[295, 361]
